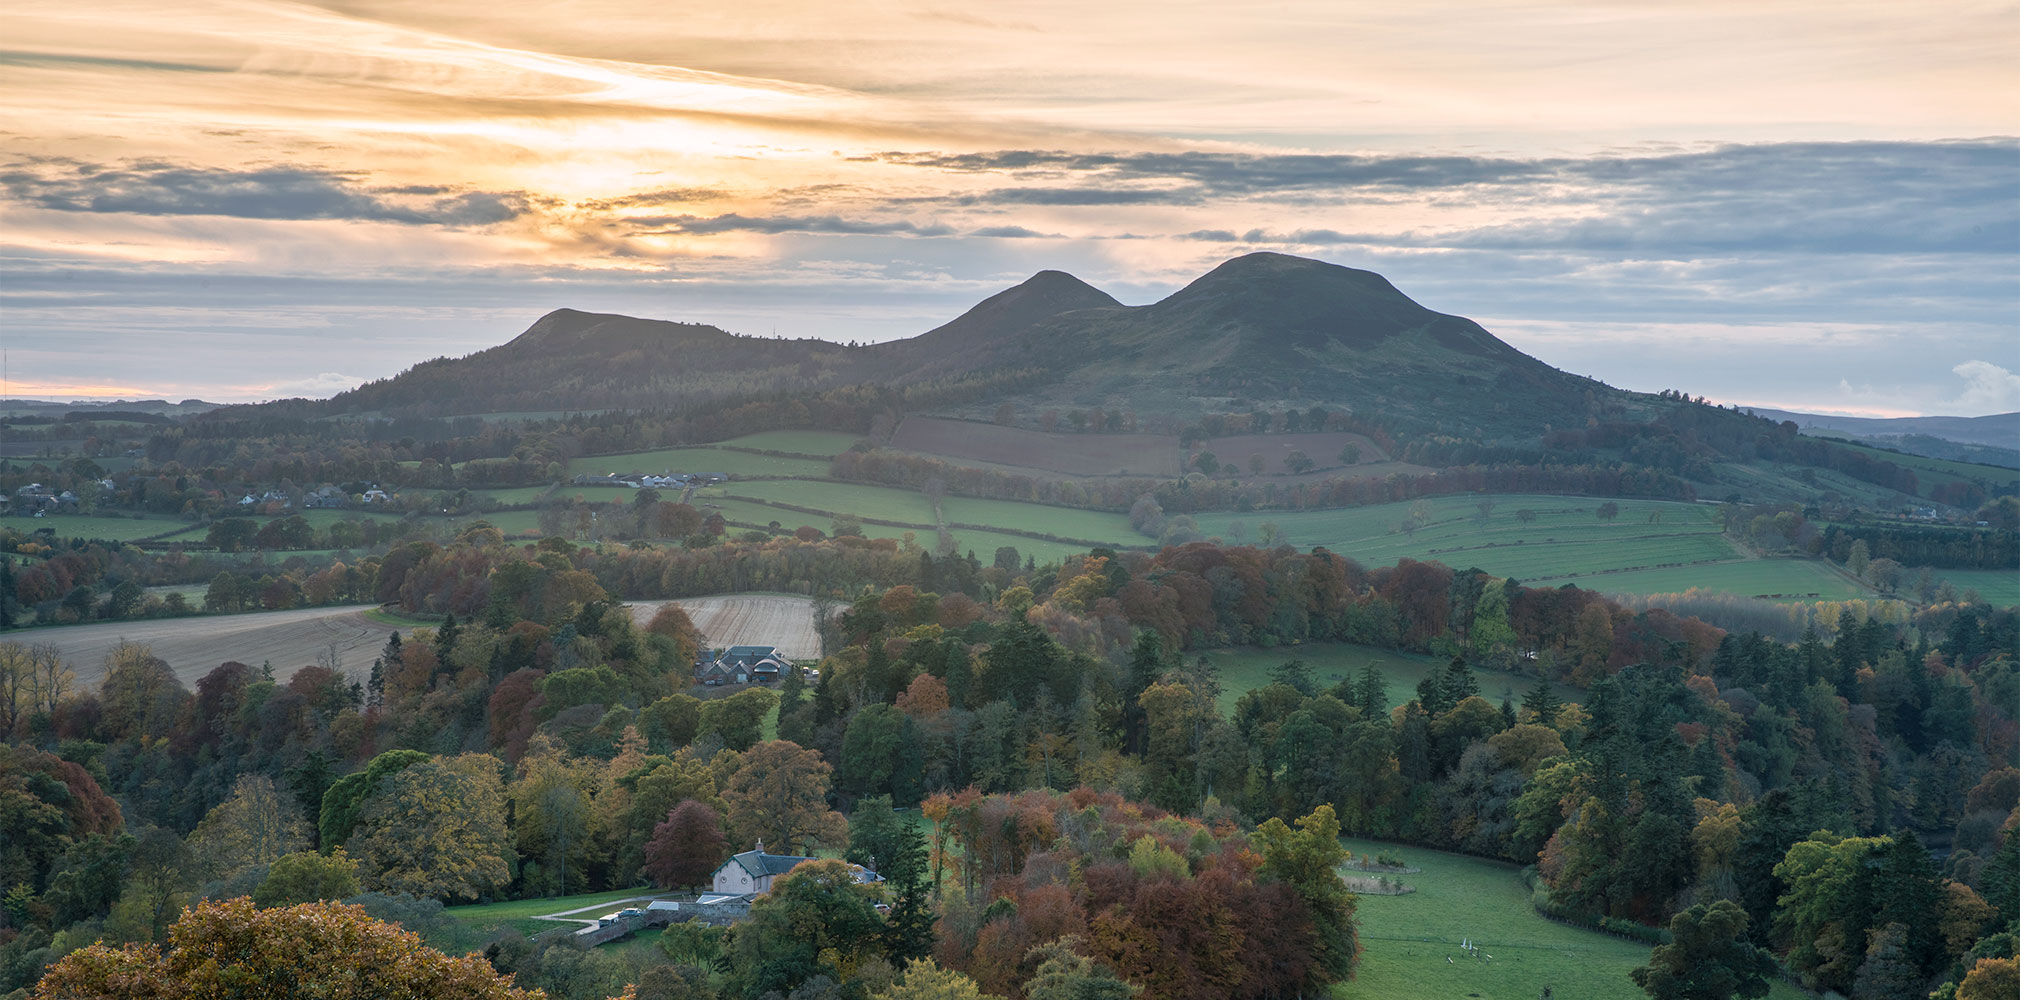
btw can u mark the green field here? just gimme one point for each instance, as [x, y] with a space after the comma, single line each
[519, 913]
[826, 444]
[1564, 543]
[985, 543]
[1407, 939]
[1998, 587]
[1246, 668]
[1752, 578]
[883, 503]
[1066, 522]
[738, 464]
[513, 496]
[1937, 471]
[109, 527]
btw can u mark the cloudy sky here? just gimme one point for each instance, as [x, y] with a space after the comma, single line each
[1812, 205]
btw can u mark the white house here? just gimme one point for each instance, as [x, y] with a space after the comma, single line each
[753, 872]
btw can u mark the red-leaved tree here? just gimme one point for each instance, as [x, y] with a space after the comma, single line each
[686, 847]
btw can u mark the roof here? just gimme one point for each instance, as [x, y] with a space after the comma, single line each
[751, 651]
[760, 864]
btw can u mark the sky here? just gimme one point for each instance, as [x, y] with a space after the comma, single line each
[1803, 205]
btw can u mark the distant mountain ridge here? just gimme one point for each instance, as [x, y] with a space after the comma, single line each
[1263, 329]
[1993, 439]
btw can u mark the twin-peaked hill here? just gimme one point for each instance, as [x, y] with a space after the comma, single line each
[1266, 328]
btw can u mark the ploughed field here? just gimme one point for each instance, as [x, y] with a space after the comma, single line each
[294, 639]
[724, 620]
[195, 646]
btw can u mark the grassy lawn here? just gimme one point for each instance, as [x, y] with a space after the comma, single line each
[1244, 669]
[1937, 471]
[1407, 939]
[728, 463]
[1998, 587]
[519, 913]
[826, 444]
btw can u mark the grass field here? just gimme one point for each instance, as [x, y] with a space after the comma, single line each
[1407, 939]
[729, 463]
[1564, 543]
[515, 495]
[1936, 471]
[519, 913]
[1066, 522]
[2000, 587]
[983, 543]
[907, 506]
[1246, 668]
[826, 444]
[1756, 577]
[112, 528]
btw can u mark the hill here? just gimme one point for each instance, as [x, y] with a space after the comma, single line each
[1266, 328]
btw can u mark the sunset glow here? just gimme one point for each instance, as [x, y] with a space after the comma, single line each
[352, 188]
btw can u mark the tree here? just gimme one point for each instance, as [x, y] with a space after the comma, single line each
[248, 831]
[1308, 861]
[1708, 957]
[1608, 511]
[925, 980]
[436, 829]
[307, 877]
[1298, 462]
[1991, 979]
[686, 847]
[550, 817]
[1065, 974]
[344, 797]
[779, 794]
[232, 949]
[816, 920]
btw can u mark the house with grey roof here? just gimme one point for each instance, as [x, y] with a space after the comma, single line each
[753, 872]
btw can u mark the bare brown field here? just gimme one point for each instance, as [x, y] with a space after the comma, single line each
[293, 639]
[1323, 449]
[749, 620]
[1072, 454]
[194, 647]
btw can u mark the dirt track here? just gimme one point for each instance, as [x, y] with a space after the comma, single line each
[291, 640]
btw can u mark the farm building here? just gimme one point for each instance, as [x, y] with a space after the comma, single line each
[741, 665]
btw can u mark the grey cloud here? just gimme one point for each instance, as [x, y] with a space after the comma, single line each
[1850, 197]
[276, 193]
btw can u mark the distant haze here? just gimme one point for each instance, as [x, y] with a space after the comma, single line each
[1807, 206]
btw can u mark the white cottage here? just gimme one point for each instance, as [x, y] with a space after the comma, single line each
[753, 872]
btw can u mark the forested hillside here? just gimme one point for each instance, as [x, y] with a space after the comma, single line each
[1092, 806]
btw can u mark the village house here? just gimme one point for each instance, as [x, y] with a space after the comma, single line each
[753, 872]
